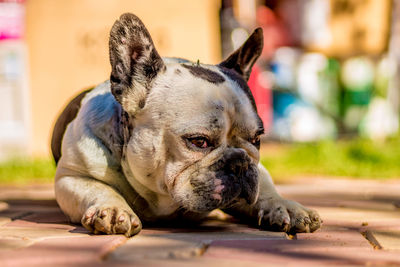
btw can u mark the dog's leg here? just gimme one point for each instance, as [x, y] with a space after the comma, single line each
[273, 212]
[98, 206]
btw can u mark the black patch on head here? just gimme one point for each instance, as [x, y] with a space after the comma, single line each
[205, 74]
[234, 76]
[178, 71]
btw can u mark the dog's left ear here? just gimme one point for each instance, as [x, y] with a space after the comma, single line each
[134, 60]
[243, 59]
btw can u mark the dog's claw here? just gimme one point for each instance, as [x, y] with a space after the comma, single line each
[103, 214]
[135, 223]
[260, 217]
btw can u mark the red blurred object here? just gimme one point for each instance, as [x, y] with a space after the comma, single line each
[275, 32]
[259, 86]
[12, 19]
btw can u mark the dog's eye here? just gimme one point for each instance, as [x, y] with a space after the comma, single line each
[256, 141]
[200, 142]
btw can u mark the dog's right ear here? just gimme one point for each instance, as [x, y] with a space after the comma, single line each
[134, 60]
[243, 59]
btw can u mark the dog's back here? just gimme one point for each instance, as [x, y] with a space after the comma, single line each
[68, 114]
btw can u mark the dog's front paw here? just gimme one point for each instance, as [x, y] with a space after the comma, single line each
[287, 216]
[111, 220]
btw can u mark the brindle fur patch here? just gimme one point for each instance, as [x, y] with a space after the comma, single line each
[62, 122]
[205, 74]
[231, 74]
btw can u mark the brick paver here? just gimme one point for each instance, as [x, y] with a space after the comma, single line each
[361, 227]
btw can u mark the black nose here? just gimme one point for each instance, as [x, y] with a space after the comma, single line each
[238, 174]
[236, 162]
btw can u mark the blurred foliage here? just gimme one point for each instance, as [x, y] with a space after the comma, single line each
[27, 170]
[358, 158]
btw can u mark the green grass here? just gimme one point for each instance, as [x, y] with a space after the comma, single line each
[27, 170]
[359, 158]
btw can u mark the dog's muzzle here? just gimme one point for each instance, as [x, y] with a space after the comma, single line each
[236, 171]
[231, 177]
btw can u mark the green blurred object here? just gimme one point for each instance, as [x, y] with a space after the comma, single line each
[329, 84]
[358, 80]
[385, 71]
[359, 158]
[27, 170]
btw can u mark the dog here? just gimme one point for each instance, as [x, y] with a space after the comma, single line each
[166, 139]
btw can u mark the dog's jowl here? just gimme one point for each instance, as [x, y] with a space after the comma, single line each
[167, 139]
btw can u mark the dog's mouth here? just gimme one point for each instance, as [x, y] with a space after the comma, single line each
[229, 179]
[227, 188]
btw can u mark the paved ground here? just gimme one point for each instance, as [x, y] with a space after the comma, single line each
[361, 227]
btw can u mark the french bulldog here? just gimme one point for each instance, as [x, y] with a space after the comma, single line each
[166, 139]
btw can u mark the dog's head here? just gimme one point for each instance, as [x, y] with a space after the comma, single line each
[195, 129]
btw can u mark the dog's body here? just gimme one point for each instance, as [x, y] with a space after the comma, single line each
[167, 139]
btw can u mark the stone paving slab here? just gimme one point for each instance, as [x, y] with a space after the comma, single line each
[4, 220]
[192, 262]
[33, 232]
[79, 251]
[388, 240]
[10, 243]
[151, 247]
[185, 244]
[298, 253]
[32, 192]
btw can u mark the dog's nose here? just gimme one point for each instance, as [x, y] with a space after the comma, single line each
[237, 161]
[239, 164]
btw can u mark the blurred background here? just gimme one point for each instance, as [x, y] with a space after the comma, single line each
[327, 85]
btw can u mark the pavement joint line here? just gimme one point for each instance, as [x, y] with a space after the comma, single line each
[18, 216]
[204, 247]
[371, 239]
[22, 215]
